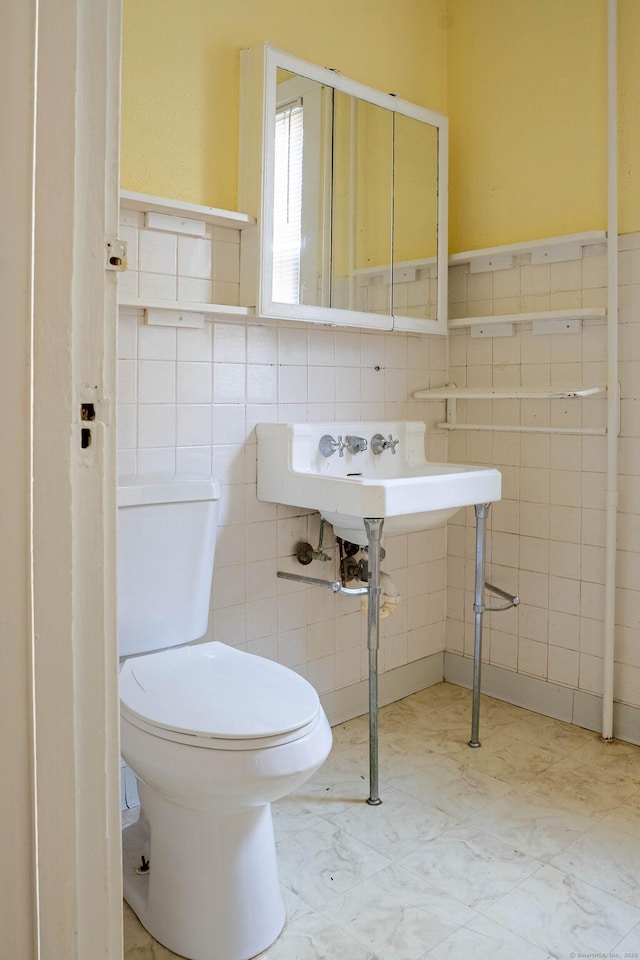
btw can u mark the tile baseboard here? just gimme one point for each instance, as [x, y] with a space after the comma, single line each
[353, 701]
[549, 699]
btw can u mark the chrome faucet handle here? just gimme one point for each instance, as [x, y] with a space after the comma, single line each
[356, 444]
[328, 445]
[379, 444]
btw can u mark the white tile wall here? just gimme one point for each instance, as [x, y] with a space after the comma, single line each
[547, 535]
[189, 400]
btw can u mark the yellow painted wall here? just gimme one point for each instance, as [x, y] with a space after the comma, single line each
[527, 109]
[527, 88]
[629, 114]
[523, 83]
[181, 76]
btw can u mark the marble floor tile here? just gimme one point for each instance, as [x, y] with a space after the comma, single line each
[442, 694]
[295, 908]
[459, 831]
[562, 739]
[397, 827]
[514, 761]
[629, 946]
[402, 756]
[448, 736]
[626, 816]
[343, 780]
[425, 716]
[604, 858]
[353, 733]
[447, 729]
[538, 828]
[324, 861]
[581, 788]
[407, 715]
[453, 788]
[289, 816]
[397, 915]
[314, 937]
[618, 763]
[482, 939]
[496, 714]
[470, 865]
[563, 915]
[140, 945]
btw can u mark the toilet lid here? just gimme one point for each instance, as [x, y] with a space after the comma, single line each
[213, 690]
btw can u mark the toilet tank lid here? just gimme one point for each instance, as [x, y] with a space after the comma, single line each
[146, 490]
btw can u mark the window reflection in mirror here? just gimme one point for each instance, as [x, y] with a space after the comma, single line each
[301, 199]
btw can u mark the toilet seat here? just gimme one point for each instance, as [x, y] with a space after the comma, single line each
[214, 696]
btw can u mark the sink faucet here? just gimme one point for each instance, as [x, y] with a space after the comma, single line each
[328, 445]
[379, 444]
[356, 444]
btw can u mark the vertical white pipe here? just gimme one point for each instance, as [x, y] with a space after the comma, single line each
[612, 377]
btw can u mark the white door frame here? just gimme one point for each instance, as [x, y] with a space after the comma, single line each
[60, 828]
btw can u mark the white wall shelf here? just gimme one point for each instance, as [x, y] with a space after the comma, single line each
[222, 310]
[452, 394]
[551, 250]
[543, 316]
[183, 312]
[145, 203]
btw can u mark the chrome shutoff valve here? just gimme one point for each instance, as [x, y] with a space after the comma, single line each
[379, 444]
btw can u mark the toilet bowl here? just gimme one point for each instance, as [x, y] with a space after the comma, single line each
[214, 736]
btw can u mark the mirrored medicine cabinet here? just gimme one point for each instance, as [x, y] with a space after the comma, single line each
[349, 188]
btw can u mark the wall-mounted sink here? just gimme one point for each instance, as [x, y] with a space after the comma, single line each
[322, 466]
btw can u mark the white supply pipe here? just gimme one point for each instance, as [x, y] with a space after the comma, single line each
[389, 597]
[612, 377]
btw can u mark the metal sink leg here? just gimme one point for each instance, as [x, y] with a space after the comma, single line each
[374, 533]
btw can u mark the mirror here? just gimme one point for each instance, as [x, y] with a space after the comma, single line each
[415, 236]
[349, 189]
[362, 206]
[301, 190]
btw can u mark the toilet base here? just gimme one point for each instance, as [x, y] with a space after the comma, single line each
[212, 890]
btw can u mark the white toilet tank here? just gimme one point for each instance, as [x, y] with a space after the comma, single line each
[166, 543]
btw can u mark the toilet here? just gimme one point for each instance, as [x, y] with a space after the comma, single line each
[213, 734]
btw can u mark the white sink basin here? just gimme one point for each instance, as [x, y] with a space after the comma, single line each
[407, 491]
